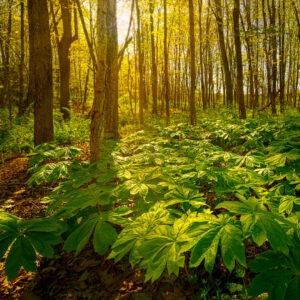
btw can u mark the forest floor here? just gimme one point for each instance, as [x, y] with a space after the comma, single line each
[228, 155]
[88, 276]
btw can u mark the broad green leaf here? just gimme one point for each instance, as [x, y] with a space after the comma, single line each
[43, 242]
[259, 223]
[104, 236]
[221, 232]
[278, 276]
[6, 239]
[20, 254]
[78, 238]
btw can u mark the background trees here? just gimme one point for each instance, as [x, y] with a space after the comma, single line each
[175, 54]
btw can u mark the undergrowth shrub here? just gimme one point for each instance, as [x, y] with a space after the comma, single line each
[182, 198]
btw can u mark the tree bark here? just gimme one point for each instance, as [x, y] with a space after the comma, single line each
[40, 70]
[153, 65]
[21, 67]
[112, 72]
[239, 61]
[6, 101]
[282, 56]
[274, 56]
[227, 73]
[142, 95]
[193, 62]
[64, 55]
[97, 112]
[166, 61]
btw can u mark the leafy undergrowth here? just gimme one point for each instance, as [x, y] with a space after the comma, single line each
[212, 210]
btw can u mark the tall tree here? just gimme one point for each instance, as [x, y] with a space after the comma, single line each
[228, 80]
[282, 55]
[142, 93]
[22, 61]
[166, 58]
[40, 70]
[239, 61]
[97, 112]
[201, 61]
[64, 45]
[193, 62]
[6, 60]
[112, 72]
[153, 57]
[273, 46]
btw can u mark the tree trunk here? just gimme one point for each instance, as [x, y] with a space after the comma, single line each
[40, 70]
[153, 55]
[86, 88]
[6, 86]
[142, 95]
[282, 56]
[227, 73]
[239, 61]
[112, 72]
[200, 3]
[21, 67]
[97, 112]
[166, 58]
[193, 62]
[274, 57]
[64, 55]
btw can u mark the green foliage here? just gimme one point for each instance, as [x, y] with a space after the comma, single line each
[210, 234]
[17, 136]
[279, 275]
[183, 197]
[51, 172]
[26, 239]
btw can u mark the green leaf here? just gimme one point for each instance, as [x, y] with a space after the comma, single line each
[43, 241]
[136, 232]
[20, 254]
[279, 275]
[104, 236]
[6, 239]
[221, 231]
[259, 223]
[8, 222]
[78, 238]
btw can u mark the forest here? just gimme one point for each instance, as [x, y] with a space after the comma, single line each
[150, 149]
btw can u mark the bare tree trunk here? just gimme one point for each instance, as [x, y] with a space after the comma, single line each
[266, 50]
[153, 56]
[6, 86]
[112, 72]
[86, 88]
[64, 55]
[97, 113]
[166, 58]
[227, 73]
[193, 63]
[274, 56]
[239, 61]
[40, 69]
[21, 67]
[200, 3]
[282, 56]
[297, 17]
[142, 95]
[249, 48]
